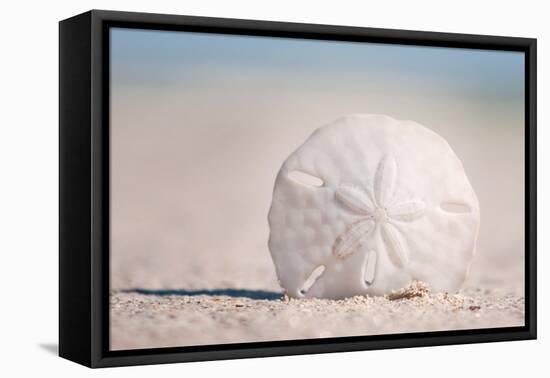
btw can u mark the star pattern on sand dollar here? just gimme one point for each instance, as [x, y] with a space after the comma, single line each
[378, 210]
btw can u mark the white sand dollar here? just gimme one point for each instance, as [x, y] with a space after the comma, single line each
[368, 204]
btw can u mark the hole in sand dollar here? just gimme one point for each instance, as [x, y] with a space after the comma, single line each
[305, 179]
[313, 277]
[455, 207]
[369, 267]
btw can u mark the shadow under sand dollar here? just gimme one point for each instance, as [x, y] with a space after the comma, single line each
[235, 293]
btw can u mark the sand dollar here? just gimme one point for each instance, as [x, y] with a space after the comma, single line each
[368, 204]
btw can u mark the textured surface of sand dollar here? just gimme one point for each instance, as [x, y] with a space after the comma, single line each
[366, 205]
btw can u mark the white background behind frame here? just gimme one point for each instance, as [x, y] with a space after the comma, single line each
[29, 206]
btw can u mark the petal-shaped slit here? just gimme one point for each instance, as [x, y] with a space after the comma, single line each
[407, 211]
[395, 245]
[354, 198]
[348, 242]
[384, 180]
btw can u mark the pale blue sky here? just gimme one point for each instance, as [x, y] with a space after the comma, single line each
[168, 58]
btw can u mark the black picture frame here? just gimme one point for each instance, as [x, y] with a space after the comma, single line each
[84, 188]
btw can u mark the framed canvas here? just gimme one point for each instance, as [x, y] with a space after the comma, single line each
[235, 188]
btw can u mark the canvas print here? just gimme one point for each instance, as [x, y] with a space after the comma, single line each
[267, 189]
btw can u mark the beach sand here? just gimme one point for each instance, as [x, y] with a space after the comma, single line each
[192, 176]
[151, 319]
[186, 227]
